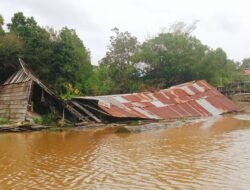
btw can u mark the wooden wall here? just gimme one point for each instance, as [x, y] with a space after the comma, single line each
[14, 100]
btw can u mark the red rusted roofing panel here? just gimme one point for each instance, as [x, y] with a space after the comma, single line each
[247, 71]
[118, 112]
[204, 84]
[192, 99]
[203, 112]
[192, 112]
[178, 92]
[132, 98]
[164, 111]
[221, 103]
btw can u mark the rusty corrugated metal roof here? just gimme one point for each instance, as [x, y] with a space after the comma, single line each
[247, 71]
[192, 99]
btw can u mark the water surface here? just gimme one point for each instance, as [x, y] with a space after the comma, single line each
[210, 155]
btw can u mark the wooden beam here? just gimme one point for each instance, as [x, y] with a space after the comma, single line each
[86, 111]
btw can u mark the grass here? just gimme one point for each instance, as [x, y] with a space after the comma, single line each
[4, 121]
[49, 120]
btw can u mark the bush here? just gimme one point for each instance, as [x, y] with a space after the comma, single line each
[45, 120]
[4, 121]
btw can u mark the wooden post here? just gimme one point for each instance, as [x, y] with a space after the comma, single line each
[63, 117]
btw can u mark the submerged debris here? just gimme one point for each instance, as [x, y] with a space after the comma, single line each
[123, 130]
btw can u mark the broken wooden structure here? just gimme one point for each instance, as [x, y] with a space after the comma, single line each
[23, 96]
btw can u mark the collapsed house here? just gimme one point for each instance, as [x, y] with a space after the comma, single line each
[192, 99]
[23, 96]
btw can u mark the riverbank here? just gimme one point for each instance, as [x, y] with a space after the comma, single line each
[135, 126]
[118, 128]
[122, 127]
[22, 127]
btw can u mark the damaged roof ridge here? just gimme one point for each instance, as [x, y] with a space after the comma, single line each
[143, 92]
[34, 78]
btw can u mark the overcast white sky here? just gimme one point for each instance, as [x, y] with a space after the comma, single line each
[222, 23]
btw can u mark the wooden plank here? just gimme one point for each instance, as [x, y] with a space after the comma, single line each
[13, 102]
[11, 90]
[19, 90]
[17, 85]
[13, 111]
[74, 112]
[17, 120]
[13, 106]
[17, 116]
[22, 93]
[86, 111]
[97, 110]
[14, 116]
[7, 109]
[16, 98]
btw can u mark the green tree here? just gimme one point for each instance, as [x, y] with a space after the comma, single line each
[175, 57]
[37, 45]
[245, 63]
[117, 62]
[57, 57]
[71, 61]
[169, 59]
[100, 82]
[11, 47]
[1, 25]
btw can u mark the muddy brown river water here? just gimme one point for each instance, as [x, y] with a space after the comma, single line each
[213, 154]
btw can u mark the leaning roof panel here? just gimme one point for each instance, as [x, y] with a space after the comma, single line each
[192, 99]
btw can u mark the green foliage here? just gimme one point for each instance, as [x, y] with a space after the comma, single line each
[245, 63]
[57, 57]
[116, 68]
[71, 92]
[170, 58]
[37, 120]
[1, 25]
[4, 121]
[1, 20]
[72, 61]
[10, 48]
[100, 83]
[49, 120]
[174, 58]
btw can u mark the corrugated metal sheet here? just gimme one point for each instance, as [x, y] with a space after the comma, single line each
[192, 99]
[247, 71]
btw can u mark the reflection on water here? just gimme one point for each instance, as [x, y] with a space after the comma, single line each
[208, 155]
